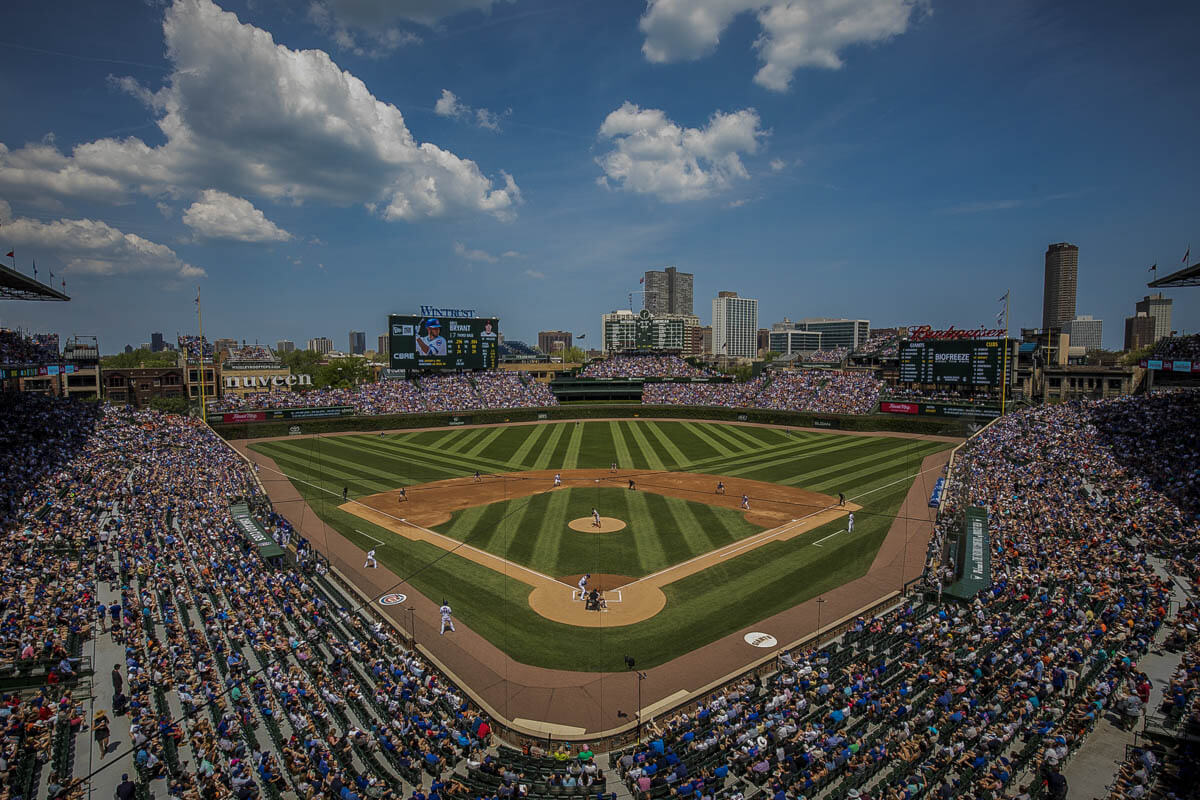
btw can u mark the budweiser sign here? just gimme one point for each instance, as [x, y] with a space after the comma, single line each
[924, 333]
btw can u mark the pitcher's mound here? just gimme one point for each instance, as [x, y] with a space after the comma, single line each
[586, 525]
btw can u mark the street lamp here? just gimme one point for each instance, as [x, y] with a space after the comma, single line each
[412, 626]
[641, 676]
[820, 602]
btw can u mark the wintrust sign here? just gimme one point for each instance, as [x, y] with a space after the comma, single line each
[266, 381]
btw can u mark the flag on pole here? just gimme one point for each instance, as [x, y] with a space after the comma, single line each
[11, 254]
[580, 335]
[35, 268]
[1186, 255]
[1003, 298]
[1153, 268]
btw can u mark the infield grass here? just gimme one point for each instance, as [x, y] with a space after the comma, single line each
[873, 471]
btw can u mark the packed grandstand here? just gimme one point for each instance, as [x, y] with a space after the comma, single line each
[231, 677]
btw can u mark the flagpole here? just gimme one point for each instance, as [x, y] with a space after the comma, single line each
[200, 320]
[1004, 378]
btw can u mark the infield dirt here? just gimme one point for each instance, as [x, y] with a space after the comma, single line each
[786, 511]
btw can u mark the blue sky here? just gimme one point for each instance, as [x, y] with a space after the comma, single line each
[315, 166]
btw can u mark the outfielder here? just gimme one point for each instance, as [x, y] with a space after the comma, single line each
[370, 562]
[746, 502]
[446, 621]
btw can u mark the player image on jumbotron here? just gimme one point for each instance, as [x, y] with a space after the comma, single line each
[432, 343]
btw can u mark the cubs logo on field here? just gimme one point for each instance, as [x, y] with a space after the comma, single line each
[392, 599]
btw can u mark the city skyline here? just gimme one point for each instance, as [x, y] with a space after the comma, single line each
[500, 157]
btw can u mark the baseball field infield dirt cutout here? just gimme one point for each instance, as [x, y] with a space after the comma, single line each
[588, 525]
[786, 512]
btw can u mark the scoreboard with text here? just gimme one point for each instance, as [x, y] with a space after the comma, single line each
[970, 362]
[443, 342]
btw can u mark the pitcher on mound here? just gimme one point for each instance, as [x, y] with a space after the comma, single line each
[595, 518]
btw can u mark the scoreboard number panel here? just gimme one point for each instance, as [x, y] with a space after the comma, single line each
[973, 362]
[417, 343]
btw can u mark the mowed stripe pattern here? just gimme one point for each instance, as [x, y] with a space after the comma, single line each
[824, 462]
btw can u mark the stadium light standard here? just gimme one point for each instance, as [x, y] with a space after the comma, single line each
[412, 626]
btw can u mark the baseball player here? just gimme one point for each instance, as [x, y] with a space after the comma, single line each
[345, 492]
[612, 467]
[432, 344]
[371, 562]
[403, 495]
[446, 621]
[841, 499]
[557, 480]
[720, 487]
[746, 502]
[595, 518]
[850, 523]
[478, 477]
[583, 582]
[632, 485]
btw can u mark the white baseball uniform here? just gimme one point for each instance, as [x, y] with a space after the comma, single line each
[370, 562]
[446, 621]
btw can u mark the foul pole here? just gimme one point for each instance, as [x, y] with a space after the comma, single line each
[1004, 370]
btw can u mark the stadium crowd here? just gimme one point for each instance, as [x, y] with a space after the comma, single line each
[250, 352]
[880, 345]
[829, 355]
[822, 391]
[642, 366]
[17, 349]
[1177, 348]
[234, 678]
[986, 699]
[500, 389]
[195, 347]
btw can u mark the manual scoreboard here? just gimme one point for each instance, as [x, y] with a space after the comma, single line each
[443, 342]
[971, 362]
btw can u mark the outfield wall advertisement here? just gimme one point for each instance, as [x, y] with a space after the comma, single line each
[936, 409]
[282, 413]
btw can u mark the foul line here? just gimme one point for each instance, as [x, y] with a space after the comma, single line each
[817, 543]
[372, 538]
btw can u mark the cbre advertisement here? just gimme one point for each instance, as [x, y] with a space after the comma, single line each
[442, 342]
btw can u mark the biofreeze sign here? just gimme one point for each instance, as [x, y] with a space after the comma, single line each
[266, 381]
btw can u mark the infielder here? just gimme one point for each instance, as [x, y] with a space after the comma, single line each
[746, 502]
[595, 518]
[583, 582]
[370, 562]
[557, 480]
[612, 467]
[403, 495]
[446, 621]
[850, 523]
[720, 487]
[478, 478]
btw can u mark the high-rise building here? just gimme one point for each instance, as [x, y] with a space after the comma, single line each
[1159, 307]
[358, 343]
[551, 342]
[849, 333]
[735, 325]
[285, 346]
[1139, 331]
[156, 343]
[320, 345]
[789, 340]
[1085, 331]
[382, 349]
[668, 292]
[1058, 290]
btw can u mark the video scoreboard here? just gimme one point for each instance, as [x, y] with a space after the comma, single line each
[443, 342]
[973, 362]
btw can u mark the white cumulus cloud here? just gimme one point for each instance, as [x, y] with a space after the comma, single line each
[653, 155]
[249, 117]
[217, 215]
[795, 33]
[461, 249]
[92, 246]
[449, 105]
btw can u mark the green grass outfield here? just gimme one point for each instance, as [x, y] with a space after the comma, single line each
[873, 471]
